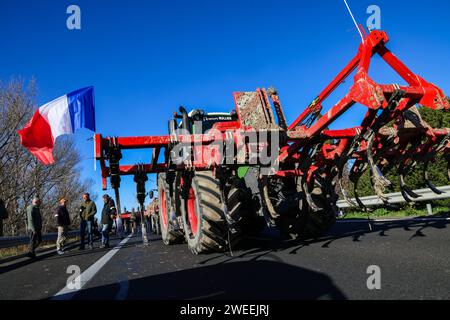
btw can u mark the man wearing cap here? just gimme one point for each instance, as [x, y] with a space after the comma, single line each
[88, 210]
[34, 225]
[108, 216]
[63, 223]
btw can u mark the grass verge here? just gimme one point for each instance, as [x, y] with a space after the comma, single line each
[402, 213]
[22, 249]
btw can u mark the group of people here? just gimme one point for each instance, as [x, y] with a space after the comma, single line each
[131, 224]
[88, 223]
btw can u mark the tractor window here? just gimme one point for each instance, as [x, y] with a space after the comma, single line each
[209, 120]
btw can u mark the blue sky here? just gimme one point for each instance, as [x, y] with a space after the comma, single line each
[145, 58]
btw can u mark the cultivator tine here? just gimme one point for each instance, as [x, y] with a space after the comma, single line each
[405, 196]
[448, 170]
[309, 199]
[342, 163]
[439, 148]
[356, 173]
[406, 191]
[312, 152]
[345, 194]
[447, 157]
[427, 180]
[379, 181]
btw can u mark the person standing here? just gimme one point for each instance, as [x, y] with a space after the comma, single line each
[126, 224]
[3, 215]
[108, 216]
[63, 223]
[34, 225]
[133, 221]
[154, 218]
[88, 210]
[147, 221]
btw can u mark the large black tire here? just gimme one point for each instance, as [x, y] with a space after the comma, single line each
[204, 223]
[287, 202]
[170, 233]
[293, 223]
[299, 221]
[242, 209]
[320, 222]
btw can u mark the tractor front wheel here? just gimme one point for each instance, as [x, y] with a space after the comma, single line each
[203, 215]
[170, 234]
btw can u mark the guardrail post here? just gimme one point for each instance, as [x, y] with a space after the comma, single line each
[429, 209]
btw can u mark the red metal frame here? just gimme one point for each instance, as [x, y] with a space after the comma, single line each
[364, 91]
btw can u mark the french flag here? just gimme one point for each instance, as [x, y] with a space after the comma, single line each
[63, 115]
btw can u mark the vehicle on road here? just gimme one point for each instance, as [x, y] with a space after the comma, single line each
[227, 175]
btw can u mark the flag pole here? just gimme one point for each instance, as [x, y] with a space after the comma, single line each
[95, 160]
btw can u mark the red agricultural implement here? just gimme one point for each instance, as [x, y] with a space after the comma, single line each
[213, 189]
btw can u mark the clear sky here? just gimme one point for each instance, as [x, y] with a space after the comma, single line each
[145, 58]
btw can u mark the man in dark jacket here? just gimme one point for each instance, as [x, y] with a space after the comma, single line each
[87, 213]
[3, 215]
[34, 225]
[133, 219]
[63, 223]
[108, 216]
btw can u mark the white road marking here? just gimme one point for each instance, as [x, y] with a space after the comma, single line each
[395, 220]
[86, 276]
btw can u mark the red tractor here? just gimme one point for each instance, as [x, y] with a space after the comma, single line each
[225, 176]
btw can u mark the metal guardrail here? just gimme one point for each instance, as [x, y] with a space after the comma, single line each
[394, 198]
[8, 242]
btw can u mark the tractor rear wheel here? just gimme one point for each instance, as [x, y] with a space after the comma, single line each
[297, 219]
[293, 224]
[320, 222]
[170, 234]
[202, 209]
[242, 209]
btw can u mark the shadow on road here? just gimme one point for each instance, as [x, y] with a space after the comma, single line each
[357, 229]
[258, 247]
[50, 254]
[250, 280]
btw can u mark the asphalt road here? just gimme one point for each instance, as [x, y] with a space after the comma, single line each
[413, 257]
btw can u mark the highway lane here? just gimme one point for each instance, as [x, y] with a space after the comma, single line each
[413, 256]
[39, 279]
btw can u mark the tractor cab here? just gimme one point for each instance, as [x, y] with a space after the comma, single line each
[197, 121]
[207, 120]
